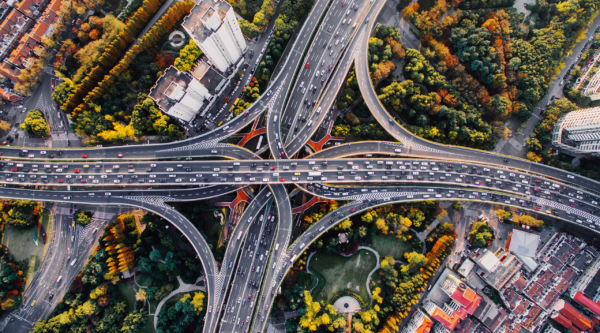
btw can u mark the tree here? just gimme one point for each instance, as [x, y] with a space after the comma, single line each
[140, 295]
[532, 156]
[35, 123]
[457, 205]
[341, 130]
[134, 322]
[198, 301]
[481, 235]
[4, 125]
[188, 56]
[250, 29]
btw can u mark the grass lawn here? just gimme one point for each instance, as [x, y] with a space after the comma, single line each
[389, 246]
[128, 294]
[426, 5]
[307, 281]
[342, 274]
[171, 301]
[149, 327]
[144, 280]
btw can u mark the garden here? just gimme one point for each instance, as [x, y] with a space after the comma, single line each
[340, 275]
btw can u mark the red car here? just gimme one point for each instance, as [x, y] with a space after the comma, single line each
[83, 180]
[306, 66]
[77, 171]
[329, 67]
[119, 155]
[13, 169]
[84, 156]
[4, 142]
[283, 154]
[352, 210]
[61, 180]
[282, 179]
[273, 168]
[343, 3]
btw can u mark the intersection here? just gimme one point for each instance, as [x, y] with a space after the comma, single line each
[413, 169]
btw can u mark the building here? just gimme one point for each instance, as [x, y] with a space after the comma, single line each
[419, 323]
[569, 317]
[214, 27]
[496, 269]
[182, 95]
[458, 301]
[578, 132]
[488, 261]
[524, 243]
[587, 303]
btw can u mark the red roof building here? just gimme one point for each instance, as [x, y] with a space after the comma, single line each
[419, 323]
[588, 303]
[464, 301]
[565, 314]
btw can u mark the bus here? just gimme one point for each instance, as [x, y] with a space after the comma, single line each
[239, 235]
[237, 100]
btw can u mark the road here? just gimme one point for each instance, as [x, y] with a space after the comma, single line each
[70, 245]
[199, 168]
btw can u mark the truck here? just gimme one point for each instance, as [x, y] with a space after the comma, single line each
[314, 173]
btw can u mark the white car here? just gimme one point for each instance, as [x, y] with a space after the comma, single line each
[116, 181]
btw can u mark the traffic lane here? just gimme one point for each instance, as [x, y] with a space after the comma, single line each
[248, 219]
[319, 61]
[338, 171]
[326, 101]
[364, 203]
[281, 241]
[431, 149]
[295, 57]
[239, 303]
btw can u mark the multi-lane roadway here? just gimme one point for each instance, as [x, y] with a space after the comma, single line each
[241, 289]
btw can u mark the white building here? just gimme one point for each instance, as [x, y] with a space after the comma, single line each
[578, 132]
[214, 27]
[182, 95]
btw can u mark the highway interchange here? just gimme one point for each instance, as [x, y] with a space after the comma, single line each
[239, 294]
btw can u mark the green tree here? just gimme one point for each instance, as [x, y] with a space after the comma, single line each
[134, 322]
[35, 123]
[188, 56]
[61, 92]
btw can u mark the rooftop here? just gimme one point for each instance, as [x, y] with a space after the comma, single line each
[200, 22]
[524, 243]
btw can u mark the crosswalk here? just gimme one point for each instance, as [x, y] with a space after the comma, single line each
[214, 143]
[565, 208]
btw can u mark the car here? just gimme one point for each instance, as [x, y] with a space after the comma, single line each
[273, 168]
[343, 3]
[4, 143]
[282, 179]
[119, 155]
[83, 180]
[84, 156]
[306, 66]
[352, 210]
[283, 154]
[77, 171]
